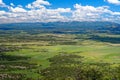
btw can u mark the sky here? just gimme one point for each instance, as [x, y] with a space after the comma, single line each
[17, 11]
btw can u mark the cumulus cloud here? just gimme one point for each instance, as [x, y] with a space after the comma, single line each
[2, 4]
[17, 9]
[38, 12]
[117, 2]
[11, 4]
[90, 13]
[38, 4]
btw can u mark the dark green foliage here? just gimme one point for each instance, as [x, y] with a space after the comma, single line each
[65, 67]
[4, 48]
[65, 59]
[4, 57]
[106, 39]
[12, 76]
[26, 32]
[10, 63]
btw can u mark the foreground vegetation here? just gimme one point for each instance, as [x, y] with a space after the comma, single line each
[58, 53]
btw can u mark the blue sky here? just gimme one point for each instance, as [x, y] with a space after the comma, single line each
[59, 10]
[67, 3]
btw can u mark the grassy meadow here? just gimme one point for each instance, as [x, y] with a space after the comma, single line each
[59, 56]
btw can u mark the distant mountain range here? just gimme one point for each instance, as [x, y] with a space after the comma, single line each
[65, 27]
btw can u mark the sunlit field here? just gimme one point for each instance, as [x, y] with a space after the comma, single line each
[48, 54]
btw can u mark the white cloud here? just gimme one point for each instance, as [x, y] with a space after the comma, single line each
[2, 4]
[63, 10]
[19, 14]
[17, 9]
[11, 4]
[38, 12]
[117, 2]
[2, 13]
[38, 4]
[89, 13]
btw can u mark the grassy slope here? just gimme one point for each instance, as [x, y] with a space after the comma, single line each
[92, 52]
[39, 52]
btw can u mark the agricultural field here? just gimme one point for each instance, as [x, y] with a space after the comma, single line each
[59, 53]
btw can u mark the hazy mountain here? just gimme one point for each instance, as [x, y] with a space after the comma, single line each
[60, 27]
